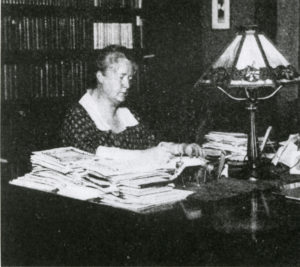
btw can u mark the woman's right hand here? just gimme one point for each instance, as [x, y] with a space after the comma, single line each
[193, 150]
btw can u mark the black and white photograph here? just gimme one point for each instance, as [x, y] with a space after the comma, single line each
[220, 14]
[150, 133]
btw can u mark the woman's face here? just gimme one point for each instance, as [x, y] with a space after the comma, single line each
[116, 80]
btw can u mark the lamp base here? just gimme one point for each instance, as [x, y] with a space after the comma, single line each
[242, 170]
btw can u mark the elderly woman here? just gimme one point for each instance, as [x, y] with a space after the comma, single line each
[99, 125]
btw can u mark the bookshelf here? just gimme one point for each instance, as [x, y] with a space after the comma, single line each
[48, 50]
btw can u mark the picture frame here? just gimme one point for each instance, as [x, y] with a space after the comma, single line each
[220, 14]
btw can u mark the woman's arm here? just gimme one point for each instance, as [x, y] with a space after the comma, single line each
[154, 155]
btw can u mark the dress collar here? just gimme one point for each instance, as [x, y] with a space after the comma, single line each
[126, 118]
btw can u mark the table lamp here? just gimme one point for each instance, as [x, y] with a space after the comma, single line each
[250, 63]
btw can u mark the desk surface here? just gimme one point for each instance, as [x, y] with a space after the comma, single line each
[214, 226]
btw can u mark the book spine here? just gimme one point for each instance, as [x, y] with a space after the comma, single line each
[41, 33]
[15, 82]
[63, 79]
[10, 82]
[27, 33]
[14, 33]
[5, 79]
[4, 32]
[56, 80]
[71, 88]
[95, 35]
[32, 34]
[81, 88]
[30, 73]
[84, 36]
[73, 33]
[35, 82]
[47, 93]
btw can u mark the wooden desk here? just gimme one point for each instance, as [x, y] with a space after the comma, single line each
[45, 229]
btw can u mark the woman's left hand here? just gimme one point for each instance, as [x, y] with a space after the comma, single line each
[193, 150]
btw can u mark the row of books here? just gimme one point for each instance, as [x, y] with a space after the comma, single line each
[48, 32]
[118, 3]
[112, 33]
[62, 3]
[50, 79]
[74, 173]
[78, 3]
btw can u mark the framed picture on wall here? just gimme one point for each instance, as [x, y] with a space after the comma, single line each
[221, 14]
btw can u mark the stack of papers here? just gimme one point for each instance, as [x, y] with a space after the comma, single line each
[77, 174]
[233, 144]
[147, 202]
[60, 185]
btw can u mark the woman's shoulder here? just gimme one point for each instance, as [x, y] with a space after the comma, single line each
[78, 118]
[77, 114]
[76, 109]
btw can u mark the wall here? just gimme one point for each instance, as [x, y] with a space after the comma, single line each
[213, 41]
[179, 33]
[288, 42]
[288, 27]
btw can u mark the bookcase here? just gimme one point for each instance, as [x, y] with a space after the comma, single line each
[48, 52]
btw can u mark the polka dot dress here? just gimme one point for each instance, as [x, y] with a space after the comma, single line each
[80, 131]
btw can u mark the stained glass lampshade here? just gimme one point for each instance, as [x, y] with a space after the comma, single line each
[250, 62]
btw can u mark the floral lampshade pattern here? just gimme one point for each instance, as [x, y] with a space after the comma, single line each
[250, 60]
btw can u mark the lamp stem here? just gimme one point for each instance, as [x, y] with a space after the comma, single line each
[253, 152]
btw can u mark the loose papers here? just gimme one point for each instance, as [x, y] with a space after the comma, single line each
[289, 154]
[78, 174]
